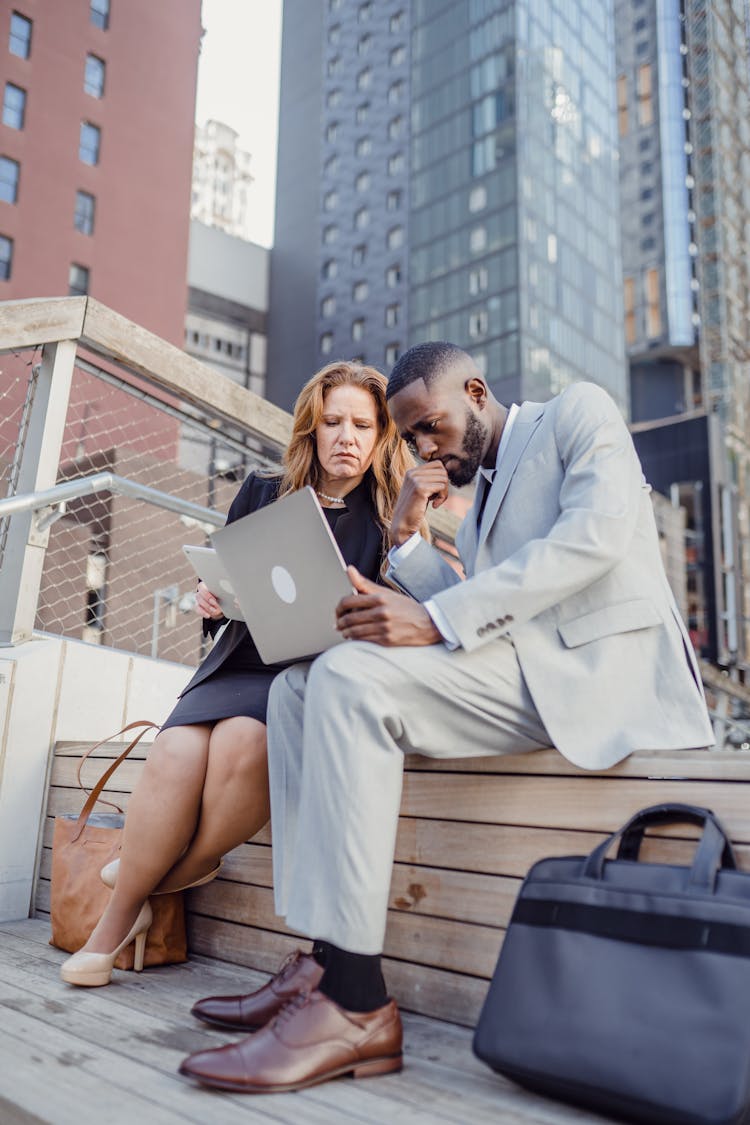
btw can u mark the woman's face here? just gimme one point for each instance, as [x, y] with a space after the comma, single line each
[346, 436]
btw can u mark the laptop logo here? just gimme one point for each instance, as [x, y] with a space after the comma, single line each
[283, 584]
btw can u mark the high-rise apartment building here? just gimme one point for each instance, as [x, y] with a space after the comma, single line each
[682, 96]
[449, 171]
[221, 179]
[96, 146]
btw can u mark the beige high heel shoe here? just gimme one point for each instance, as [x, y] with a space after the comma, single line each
[108, 876]
[95, 969]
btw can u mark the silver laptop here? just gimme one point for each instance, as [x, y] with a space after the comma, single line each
[288, 575]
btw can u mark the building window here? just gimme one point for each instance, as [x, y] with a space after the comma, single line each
[362, 112]
[397, 56]
[6, 257]
[645, 101]
[393, 201]
[479, 279]
[395, 127]
[361, 218]
[393, 276]
[395, 164]
[93, 78]
[478, 198]
[478, 323]
[99, 13]
[478, 240]
[363, 146]
[330, 200]
[19, 42]
[326, 343]
[629, 300]
[359, 253]
[332, 131]
[395, 238]
[364, 79]
[331, 165]
[653, 310]
[334, 34]
[328, 306]
[358, 329]
[78, 281]
[392, 315]
[330, 269]
[360, 291]
[90, 142]
[364, 45]
[392, 352]
[330, 234]
[622, 104]
[365, 11]
[333, 66]
[14, 106]
[9, 172]
[84, 213]
[333, 99]
[395, 93]
[362, 182]
[396, 23]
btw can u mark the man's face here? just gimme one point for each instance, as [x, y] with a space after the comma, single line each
[442, 423]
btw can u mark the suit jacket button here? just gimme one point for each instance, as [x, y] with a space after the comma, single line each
[481, 631]
[508, 619]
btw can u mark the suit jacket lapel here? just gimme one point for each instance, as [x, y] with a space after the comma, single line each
[526, 422]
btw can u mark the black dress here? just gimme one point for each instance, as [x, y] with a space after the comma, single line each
[233, 680]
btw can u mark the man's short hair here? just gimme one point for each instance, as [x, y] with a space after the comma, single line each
[423, 361]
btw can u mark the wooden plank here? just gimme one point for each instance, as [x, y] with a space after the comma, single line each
[709, 765]
[592, 803]
[40, 320]
[108, 334]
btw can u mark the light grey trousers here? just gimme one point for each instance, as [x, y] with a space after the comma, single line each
[338, 730]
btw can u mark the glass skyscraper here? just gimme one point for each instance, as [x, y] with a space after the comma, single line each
[448, 170]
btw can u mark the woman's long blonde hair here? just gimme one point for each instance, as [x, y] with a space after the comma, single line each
[391, 458]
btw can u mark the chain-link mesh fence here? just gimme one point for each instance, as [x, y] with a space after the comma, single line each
[114, 571]
[18, 376]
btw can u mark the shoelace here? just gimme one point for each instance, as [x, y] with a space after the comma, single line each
[291, 1007]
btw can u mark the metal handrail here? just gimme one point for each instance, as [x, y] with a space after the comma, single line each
[108, 482]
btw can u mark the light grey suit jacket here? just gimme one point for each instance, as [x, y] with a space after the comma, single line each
[567, 562]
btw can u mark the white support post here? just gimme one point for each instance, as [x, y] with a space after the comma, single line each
[25, 547]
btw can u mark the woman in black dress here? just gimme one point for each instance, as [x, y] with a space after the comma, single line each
[204, 788]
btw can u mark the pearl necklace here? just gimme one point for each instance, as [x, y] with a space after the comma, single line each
[330, 499]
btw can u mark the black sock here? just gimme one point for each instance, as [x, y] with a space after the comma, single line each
[354, 981]
[320, 952]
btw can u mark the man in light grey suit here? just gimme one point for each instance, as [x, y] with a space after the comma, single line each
[564, 632]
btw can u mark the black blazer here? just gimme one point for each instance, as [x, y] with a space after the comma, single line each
[357, 532]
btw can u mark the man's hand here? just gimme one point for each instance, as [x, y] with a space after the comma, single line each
[382, 616]
[422, 485]
[206, 604]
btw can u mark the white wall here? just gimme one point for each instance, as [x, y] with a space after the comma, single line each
[227, 266]
[54, 690]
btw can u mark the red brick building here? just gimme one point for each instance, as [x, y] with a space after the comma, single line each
[96, 147]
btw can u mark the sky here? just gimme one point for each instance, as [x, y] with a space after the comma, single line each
[238, 83]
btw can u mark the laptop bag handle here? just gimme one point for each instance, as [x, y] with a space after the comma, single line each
[713, 852]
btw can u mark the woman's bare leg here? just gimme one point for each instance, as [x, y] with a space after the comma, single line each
[161, 820]
[235, 803]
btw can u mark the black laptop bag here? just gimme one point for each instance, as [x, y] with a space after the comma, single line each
[625, 986]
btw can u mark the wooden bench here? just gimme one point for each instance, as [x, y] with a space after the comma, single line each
[469, 830]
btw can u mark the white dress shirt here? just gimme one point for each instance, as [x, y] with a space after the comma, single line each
[398, 554]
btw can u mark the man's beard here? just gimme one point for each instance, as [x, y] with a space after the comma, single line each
[472, 449]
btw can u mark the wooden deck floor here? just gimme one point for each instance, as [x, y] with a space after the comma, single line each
[108, 1056]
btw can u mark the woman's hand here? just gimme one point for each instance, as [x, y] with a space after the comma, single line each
[206, 604]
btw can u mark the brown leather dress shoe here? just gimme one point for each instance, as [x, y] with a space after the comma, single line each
[311, 1040]
[300, 972]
